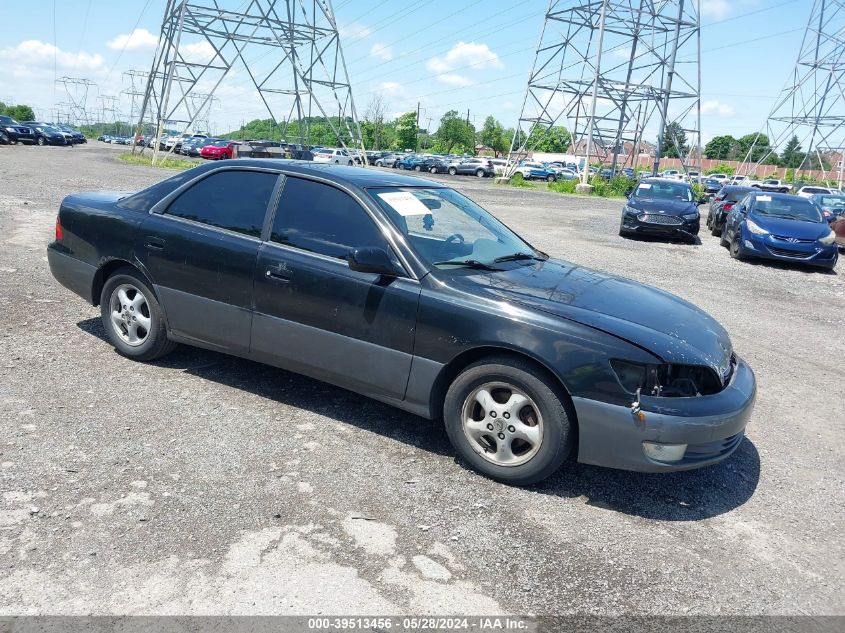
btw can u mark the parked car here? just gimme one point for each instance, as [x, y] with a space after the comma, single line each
[832, 206]
[333, 156]
[499, 166]
[662, 207]
[412, 162]
[480, 167]
[221, 149]
[193, 145]
[435, 165]
[773, 184]
[811, 190]
[711, 186]
[721, 204]
[722, 178]
[532, 170]
[524, 357]
[387, 161]
[17, 132]
[779, 226]
[77, 136]
[47, 134]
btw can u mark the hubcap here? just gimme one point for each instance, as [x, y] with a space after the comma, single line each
[130, 314]
[502, 424]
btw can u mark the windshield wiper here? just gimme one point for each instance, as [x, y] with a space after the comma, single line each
[466, 263]
[513, 257]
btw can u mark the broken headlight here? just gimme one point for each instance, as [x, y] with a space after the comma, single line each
[667, 381]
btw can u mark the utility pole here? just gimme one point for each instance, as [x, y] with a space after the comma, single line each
[417, 144]
[585, 173]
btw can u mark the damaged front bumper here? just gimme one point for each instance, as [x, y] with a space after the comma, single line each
[709, 427]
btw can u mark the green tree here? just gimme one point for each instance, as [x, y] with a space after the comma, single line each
[720, 147]
[492, 134]
[554, 139]
[406, 131]
[674, 141]
[454, 134]
[18, 112]
[792, 156]
[758, 144]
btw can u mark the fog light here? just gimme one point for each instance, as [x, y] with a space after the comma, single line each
[664, 452]
[748, 244]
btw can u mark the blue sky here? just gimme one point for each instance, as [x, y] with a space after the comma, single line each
[456, 54]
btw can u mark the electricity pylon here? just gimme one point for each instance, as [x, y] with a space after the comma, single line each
[613, 71]
[811, 105]
[290, 51]
[77, 89]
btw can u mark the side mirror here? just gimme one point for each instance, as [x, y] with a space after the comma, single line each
[628, 193]
[372, 260]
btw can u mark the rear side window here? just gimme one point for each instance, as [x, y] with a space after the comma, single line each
[234, 200]
[322, 219]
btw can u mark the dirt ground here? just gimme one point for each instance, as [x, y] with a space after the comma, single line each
[204, 484]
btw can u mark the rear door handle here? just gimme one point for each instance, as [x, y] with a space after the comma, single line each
[154, 243]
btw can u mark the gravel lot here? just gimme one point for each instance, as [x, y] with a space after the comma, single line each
[205, 484]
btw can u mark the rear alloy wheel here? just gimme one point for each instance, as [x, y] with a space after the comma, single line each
[550, 178]
[433, 170]
[452, 171]
[480, 173]
[508, 420]
[133, 318]
[40, 140]
[417, 168]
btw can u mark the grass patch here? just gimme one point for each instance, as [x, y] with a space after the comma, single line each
[164, 163]
[518, 181]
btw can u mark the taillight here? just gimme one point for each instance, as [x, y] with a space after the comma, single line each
[59, 234]
[717, 199]
[727, 206]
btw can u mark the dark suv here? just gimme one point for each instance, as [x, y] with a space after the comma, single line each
[16, 132]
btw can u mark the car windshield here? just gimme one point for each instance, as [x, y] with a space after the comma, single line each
[664, 191]
[448, 230]
[736, 194]
[792, 208]
[220, 143]
[7, 120]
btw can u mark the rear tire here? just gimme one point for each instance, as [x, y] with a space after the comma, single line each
[530, 415]
[724, 241]
[433, 170]
[40, 140]
[550, 178]
[480, 173]
[132, 317]
[452, 171]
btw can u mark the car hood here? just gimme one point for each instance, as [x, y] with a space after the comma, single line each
[657, 205]
[800, 229]
[657, 321]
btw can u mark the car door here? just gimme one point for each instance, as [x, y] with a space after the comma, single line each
[735, 217]
[199, 248]
[315, 315]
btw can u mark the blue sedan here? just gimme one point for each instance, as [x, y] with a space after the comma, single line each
[780, 226]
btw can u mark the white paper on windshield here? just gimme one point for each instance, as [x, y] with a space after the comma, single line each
[764, 198]
[645, 185]
[404, 203]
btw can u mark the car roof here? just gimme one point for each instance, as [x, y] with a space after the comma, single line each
[739, 188]
[786, 196]
[658, 179]
[341, 174]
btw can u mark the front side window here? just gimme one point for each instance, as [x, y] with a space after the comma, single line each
[234, 200]
[444, 227]
[322, 219]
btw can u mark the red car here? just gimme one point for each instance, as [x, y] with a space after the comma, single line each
[219, 149]
[838, 227]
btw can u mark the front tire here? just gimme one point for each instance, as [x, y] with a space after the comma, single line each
[452, 171]
[433, 170]
[132, 317]
[40, 141]
[480, 173]
[509, 420]
[735, 249]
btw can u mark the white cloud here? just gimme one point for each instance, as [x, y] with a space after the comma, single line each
[137, 39]
[462, 55]
[197, 52]
[35, 53]
[391, 87]
[454, 79]
[717, 108]
[354, 31]
[380, 51]
[716, 9]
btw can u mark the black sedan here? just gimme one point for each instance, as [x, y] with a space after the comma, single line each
[721, 205]
[711, 186]
[408, 292]
[47, 134]
[78, 137]
[17, 132]
[661, 207]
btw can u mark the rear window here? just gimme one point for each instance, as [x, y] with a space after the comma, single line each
[146, 198]
[816, 190]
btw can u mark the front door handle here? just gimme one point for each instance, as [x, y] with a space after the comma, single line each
[154, 243]
[280, 273]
